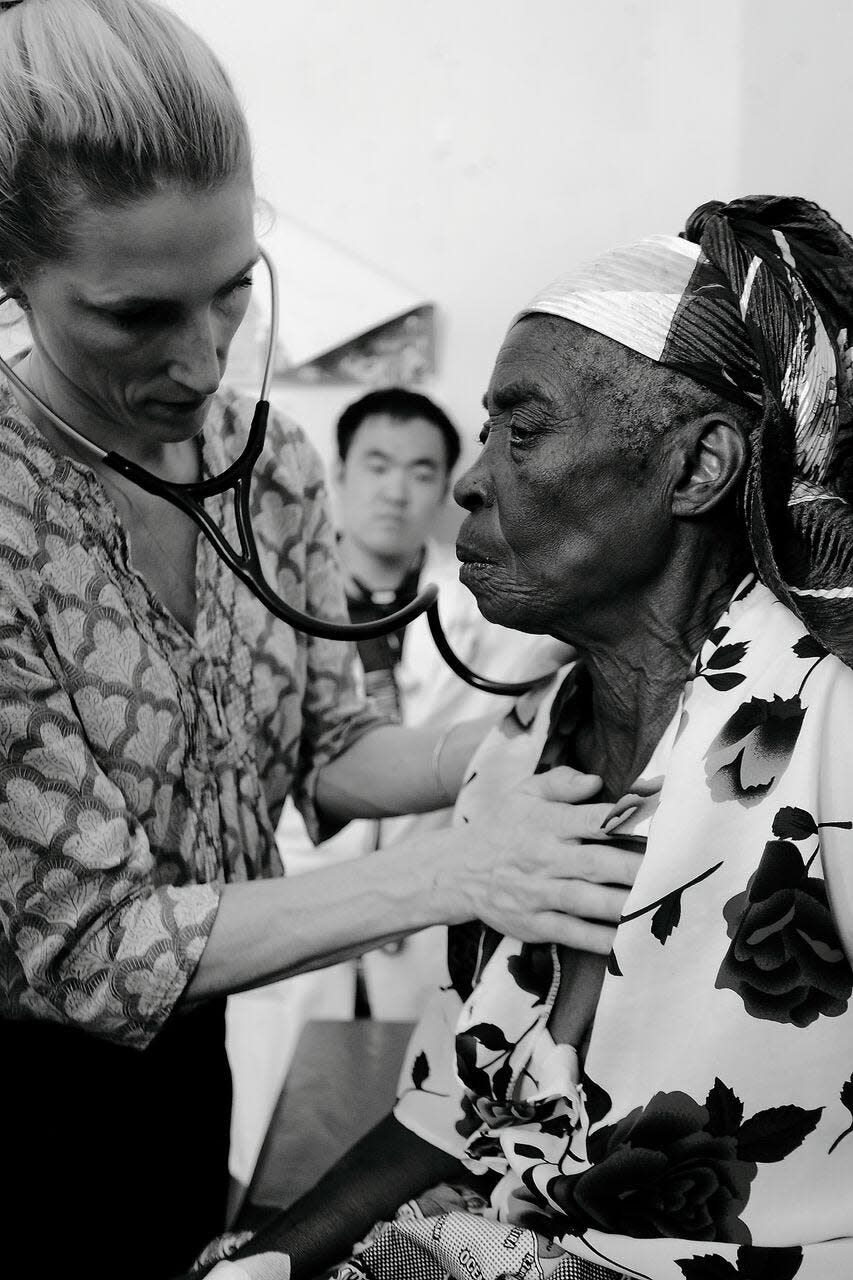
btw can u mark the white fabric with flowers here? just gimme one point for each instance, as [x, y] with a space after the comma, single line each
[708, 1132]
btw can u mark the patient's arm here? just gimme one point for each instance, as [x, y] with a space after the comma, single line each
[388, 1166]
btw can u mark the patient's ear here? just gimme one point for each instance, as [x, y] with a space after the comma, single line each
[709, 457]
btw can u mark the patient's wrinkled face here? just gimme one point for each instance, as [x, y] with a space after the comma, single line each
[562, 523]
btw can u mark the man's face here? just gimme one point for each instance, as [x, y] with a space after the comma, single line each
[563, 526]
[392, 484]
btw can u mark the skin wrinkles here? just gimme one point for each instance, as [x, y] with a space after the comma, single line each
[567, 535]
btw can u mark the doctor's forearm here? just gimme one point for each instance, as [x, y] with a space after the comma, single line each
[270, 929]
[397, 770]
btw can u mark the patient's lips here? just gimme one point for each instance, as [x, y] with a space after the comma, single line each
[469, 554]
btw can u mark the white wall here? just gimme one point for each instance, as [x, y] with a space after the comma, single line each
[797, 90]
[475, 148]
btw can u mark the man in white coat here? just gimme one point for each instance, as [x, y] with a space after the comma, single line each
[396, 453]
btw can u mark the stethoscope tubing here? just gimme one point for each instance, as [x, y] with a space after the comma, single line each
[243, 561]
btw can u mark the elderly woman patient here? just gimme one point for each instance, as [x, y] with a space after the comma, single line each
[664, 483]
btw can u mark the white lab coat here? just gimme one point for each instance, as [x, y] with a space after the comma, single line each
[264, 1025]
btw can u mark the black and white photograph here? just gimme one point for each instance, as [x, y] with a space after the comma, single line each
[426, 639]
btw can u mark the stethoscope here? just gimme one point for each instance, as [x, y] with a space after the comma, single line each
[245, 562]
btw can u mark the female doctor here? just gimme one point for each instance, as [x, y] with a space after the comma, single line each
[153, 715]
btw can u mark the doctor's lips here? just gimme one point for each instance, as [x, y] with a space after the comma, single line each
[182, 406]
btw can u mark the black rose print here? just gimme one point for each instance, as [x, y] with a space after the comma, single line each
[752, 750]
[718, 669]
[846, 1096]
[470, 1120]
[678, 1168]
[808, 647]
[753, 1263]
[419, 1075]
[598, 1101]
[533, 969]
[475, 1078]
[785, 959]
[667, 913]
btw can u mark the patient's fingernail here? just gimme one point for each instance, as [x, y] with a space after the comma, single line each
[617, 816]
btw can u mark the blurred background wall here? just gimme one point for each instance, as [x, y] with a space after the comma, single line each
[473, 149]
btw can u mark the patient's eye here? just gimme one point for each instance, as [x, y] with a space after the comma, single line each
[520, 436]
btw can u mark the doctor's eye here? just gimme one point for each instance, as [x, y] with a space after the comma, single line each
[138, 317]
[231, 296]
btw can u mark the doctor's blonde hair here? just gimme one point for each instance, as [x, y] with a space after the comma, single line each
[103, 101]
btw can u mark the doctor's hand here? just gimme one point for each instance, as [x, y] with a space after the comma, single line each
[540, 867]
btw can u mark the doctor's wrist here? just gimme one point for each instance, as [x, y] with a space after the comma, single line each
[451, 755]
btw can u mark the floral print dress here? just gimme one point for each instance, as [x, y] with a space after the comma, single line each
[708, 1132]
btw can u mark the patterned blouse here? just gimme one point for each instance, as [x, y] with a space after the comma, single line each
[707, 1131]
[143, 767]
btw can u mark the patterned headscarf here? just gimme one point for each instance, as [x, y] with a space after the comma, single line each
[755, 300]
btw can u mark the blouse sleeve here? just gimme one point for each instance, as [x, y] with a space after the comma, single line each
[335, 713]
[94, 941]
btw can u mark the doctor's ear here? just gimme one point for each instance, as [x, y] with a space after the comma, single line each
[11, 290]
[338, 469]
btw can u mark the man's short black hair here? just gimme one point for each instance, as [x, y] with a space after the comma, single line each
[400, 404]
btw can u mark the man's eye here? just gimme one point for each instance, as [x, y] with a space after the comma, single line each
[484, 431]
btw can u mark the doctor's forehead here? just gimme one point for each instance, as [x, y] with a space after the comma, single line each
[162, 239]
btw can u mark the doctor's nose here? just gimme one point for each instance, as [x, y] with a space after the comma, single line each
[197, 356]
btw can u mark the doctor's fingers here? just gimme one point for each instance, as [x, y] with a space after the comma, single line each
[520, 905]
[599, 863]
[563, 784]
[579, 915]
[570, 931]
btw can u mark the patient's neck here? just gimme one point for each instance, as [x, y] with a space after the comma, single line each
[638, 667]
